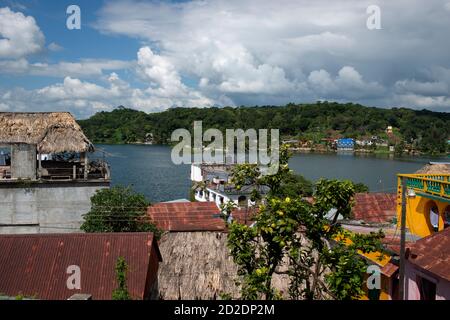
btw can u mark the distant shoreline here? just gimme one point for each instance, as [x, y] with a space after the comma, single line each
[308, 150]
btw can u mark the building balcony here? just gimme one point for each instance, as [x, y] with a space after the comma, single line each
[431, 184]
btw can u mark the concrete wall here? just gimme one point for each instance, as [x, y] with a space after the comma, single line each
[23, 161]
[45, 207]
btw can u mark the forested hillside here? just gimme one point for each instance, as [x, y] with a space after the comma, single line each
[428, 130]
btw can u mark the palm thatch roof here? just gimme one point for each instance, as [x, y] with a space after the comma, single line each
[437, 168]
[51, 132]
[196, 265]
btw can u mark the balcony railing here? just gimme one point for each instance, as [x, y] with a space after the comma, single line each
[64, 171]
[96, 170]
[435, 184]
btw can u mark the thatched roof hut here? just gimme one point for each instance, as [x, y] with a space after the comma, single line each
[196, 265]
[51, 132]
[196, 261]
[436, 168]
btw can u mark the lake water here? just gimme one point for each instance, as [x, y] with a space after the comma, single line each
[150, 170]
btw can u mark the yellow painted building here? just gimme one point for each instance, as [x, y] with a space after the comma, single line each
[427, 202]
[387, 270]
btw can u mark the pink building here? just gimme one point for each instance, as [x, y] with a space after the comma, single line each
[427, 269]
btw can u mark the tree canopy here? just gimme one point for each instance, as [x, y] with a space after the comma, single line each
[298, 238]
[118, 209]
[428, 130]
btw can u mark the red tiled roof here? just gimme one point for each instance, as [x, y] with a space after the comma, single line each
[375, 207]
[193, 216]
[432, 253]
[36, 265]
[187, 216]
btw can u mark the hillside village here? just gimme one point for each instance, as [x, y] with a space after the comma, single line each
[48, 181]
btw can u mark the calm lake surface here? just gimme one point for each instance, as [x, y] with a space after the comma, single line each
[150, 170]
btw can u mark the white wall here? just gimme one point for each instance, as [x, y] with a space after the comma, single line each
[196, 173]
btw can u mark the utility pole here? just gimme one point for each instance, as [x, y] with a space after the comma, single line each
[401, 290]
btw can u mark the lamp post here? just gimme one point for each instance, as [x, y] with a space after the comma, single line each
[402, 241]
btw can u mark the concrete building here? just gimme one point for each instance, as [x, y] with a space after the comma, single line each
[46, 176]
[346, 144]
[212, 183]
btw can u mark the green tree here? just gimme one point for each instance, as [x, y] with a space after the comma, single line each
[312, 121]
[360, 187]
[295, 185]
[118, 209]
[121, 292]
[294, 230]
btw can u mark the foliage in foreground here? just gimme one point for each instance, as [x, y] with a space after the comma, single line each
[294, 237]
[118, 209]
[121, 293]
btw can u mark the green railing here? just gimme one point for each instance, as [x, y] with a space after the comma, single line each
[436, 184]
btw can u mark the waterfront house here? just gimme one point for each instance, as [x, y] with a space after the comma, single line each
[212, 183]
[46, 176]
[346, 144]
[47, 266]
[427, 269]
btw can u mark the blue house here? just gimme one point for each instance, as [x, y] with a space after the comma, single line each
[345, 144]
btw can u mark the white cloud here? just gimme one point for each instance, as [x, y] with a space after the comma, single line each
[250, 52]
[55, 47]
[82, 68]
[348, 84]
[84, 98]
[275, 52]
[19, 35]
[431, 88]
[425, 102]
[166, 87]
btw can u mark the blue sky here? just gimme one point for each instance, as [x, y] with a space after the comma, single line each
[152, 55]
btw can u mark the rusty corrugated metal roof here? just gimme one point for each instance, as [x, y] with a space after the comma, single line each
[375, 207]
[36, 265]
[432, 253]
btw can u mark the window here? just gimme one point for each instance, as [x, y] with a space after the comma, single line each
[5, 162]
[434, 218]
[5, 157]
[427, 289]
[242, 201]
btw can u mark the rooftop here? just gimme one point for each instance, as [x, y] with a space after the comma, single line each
[432, 254]
[193, 216]
[375, 207]
[36, 265]
[52, 132]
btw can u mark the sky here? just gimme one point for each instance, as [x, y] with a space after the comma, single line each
[155, 55]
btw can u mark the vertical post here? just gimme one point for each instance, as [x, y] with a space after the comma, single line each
[74, 172]
[39, 165]
[84, 155]
[401, 290]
